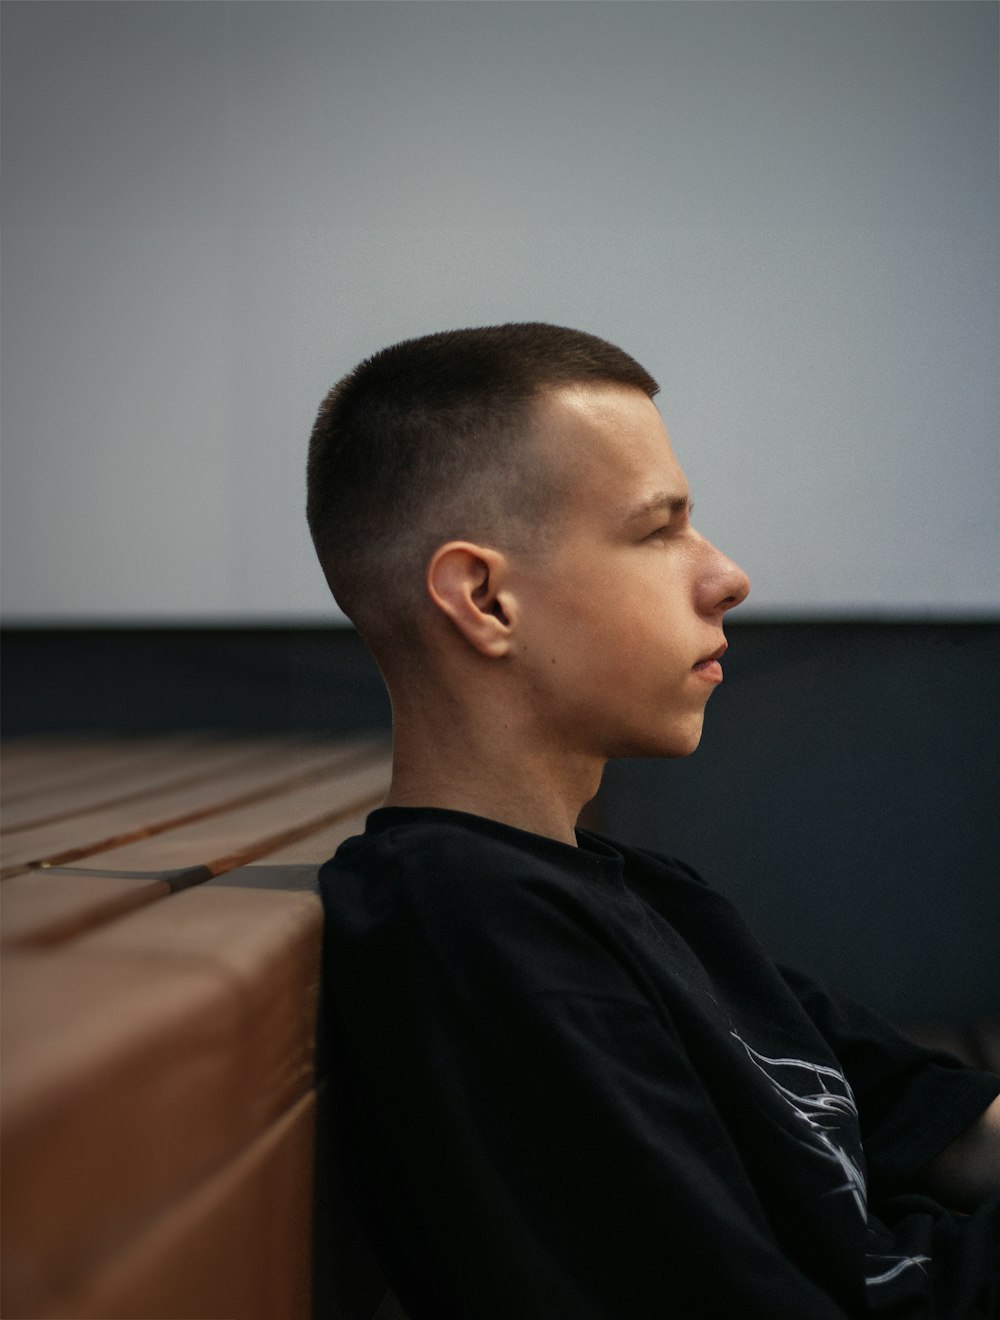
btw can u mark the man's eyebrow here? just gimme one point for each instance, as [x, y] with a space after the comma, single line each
[664, 501]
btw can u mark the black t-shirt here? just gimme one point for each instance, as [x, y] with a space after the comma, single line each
[577, 1089]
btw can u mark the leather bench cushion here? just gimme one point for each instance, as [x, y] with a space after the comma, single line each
[238, 1245]
[139, 1058]
[44, 907]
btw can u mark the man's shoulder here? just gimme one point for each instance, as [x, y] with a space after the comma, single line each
[432, 858]
[464, 899]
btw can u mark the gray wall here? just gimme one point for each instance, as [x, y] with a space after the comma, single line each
[788, 212]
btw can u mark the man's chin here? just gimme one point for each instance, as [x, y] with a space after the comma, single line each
[673, 745]
[691, 745]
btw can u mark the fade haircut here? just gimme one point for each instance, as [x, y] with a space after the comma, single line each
[431, 440]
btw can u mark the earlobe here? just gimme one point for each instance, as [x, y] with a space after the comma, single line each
[465, 582]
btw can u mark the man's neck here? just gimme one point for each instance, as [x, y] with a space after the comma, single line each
[489, 771]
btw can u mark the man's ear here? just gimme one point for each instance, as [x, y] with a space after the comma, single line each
[466, 582]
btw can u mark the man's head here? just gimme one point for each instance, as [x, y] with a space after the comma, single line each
[437, 439]
[502, 514]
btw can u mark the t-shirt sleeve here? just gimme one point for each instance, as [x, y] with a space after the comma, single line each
[912, 1101]
[538, 1142]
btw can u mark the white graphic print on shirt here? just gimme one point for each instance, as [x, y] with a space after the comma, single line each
[820, 1096]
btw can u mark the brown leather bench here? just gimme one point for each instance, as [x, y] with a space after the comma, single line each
[161, 940]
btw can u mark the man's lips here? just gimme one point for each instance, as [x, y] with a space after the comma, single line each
[709, 667]
[717, 654]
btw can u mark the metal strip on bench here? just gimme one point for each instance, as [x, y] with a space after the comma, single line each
[303, 790]
[295, 866]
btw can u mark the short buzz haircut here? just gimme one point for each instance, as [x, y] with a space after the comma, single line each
[429, 441]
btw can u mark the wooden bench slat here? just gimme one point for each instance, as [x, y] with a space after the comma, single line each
[93, 760]
[199, 766]
[223, 841]
[66, 841]
[322, 844]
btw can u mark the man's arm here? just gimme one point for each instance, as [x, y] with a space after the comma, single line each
[968, 1170]
[928, 1122]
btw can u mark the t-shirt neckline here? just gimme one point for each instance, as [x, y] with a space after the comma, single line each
[590, 850]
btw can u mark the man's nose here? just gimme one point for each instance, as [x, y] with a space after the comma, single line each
[730, 585]
[740, 587]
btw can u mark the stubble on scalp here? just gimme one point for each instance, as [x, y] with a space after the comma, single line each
[437, 439]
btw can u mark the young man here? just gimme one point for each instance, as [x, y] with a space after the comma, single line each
[577, 1088]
